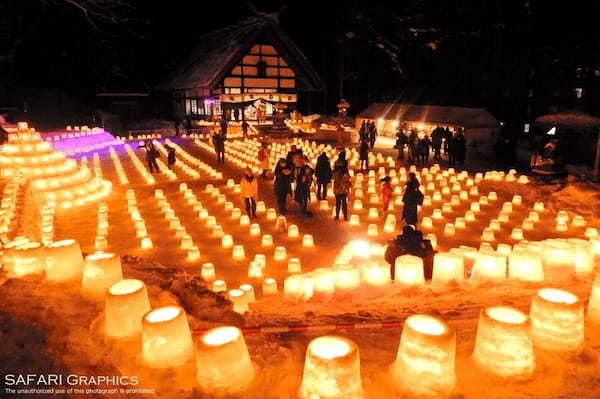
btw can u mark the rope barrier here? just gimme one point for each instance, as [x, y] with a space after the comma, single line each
[317, 327]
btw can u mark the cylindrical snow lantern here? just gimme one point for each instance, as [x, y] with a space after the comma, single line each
[593, 310]
[126, 303]
[254, 230]
[280, 253]
[239, 300]
[208, 272]
[219, 286]
[308, 241]
[347, 278]
[25, 259]
[425, 363]
[559, 260]
[269, 287]
[227, 241]
[222, 361]
[557, 321]
[267, 240]
[249, 292]
[166, 338]
[100, 271]
[293, 231]
[409, 270]
[503, 345]
[64, 261]
[294, 265]
[447, 267]
[489, 266]
[331, 369]
[238, 252]
[525, 265]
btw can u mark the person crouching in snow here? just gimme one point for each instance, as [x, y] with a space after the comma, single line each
[386, 193]
[249, 192]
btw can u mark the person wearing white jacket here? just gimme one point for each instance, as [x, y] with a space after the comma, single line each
[249, 192]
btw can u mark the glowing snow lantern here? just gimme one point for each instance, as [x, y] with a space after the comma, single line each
[354, 220]
[227, 241]
[489, 266]
[562, 216]
[267, 240]
[376, 275]
[254, 230]
[100, 271]
[488, 234]
[425, 363]
[437, 214]
[101, 243]
[584, 256]
[347, 278]
[593, 311]
[308, 241]
[561, 225]
[427, 222]
[186, 242]
[331, 369]
[260, 207]
[446, 207]
[166, 338]
[126, 303]
[492, 196]
[475, 207]
[219, 286]
[254, 270]
[470, 216]
[238, 252]
[271, 214]
[294, 266]
[528, 224]
[249, 292]
[193, 253]
[269, 287]
[517, 200]
[244, 220]
[525, 265]
[503, 345]
[239, 300]
[293, 231]
[504, 249]
[538, 206]
[64, 261]
[372, 230]
[578, 221]
[357, 205]
[517, 234]
[447, 267]
[591, 232]
[449, 230]
[323, 205]
[557, 321]
[559, 260]
[280, 254]
[409, 270]
[222, 361]
[208, 272]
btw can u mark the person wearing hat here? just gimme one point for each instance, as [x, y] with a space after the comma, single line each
[386, 193]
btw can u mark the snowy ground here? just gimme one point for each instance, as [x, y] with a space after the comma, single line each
[52, 328]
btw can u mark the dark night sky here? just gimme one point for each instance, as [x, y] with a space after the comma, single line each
[65, 52]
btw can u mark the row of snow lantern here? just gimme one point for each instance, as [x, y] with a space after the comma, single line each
[121, 175]
[8, 203]
[549, 260]
[506, 345]
[139, 165]
[141, 231]
[206, 168]
[92, 147]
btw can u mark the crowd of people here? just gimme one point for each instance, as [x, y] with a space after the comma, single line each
[441, 140]
[368, 133]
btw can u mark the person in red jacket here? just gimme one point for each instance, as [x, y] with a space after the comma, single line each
[386, 193]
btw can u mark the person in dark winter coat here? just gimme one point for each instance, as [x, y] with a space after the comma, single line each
[362, 132]
[224, 128]
[413, 141]
[401, 142]
[304, 180]
[170, 156]
[436, 143]
[372, 135]
[460, 147]
[341, 161]
[447, 136]
[219, 144]
[411, 199]
[424, 146]
[363, 152]
[323, 174]
[283, 183]
[151, 155]
[245, 129]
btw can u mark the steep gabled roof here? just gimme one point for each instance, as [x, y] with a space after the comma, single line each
[219, 51]
[460, 116]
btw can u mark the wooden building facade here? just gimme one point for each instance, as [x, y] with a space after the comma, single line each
[241, 72]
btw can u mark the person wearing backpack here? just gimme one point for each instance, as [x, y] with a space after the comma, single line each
[412, 198]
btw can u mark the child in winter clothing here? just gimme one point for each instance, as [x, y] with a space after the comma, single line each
[249, 192]
[386, 193]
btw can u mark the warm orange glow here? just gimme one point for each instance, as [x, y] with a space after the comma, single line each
[126, 303]
[219, 286]
[409, 270]
[503, 345]
[525, 265]
[447, 267]
[489, 266]
[223, 363]
[425, 363]
[558, 258]
[64, 261]
[269, 287]
[331, 369]
[166, 338]
[239, 300]
[100, 271]
[557, 321]
[294, 266]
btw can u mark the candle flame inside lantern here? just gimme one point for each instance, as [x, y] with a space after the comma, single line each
[126, 303]
[331, 369]
[425, 363]
[557, 321]
[166, 338]
[503, 345]
[223, 362]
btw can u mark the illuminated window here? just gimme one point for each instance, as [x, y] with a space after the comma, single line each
[194, 106]
[526, 128]
[579, 92]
